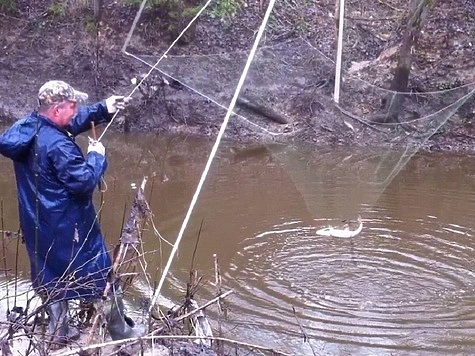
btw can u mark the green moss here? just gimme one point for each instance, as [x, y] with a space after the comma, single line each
[91, 25]
[8, 6]
[57, 9]
[226, 8]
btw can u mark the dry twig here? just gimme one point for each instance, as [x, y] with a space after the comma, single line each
[304, 334]
[81, 350]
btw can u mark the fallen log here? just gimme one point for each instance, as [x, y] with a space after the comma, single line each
[262, 110]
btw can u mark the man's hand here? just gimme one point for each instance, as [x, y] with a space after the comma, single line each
[117, 102]
[96, 146]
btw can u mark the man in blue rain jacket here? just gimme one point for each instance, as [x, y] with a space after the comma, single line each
[55, 183]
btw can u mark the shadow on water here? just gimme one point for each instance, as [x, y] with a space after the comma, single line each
[404, 284]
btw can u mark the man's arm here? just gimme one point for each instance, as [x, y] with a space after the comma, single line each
[96, 113]
[79, 174]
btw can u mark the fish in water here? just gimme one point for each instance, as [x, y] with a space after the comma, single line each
[350, 228]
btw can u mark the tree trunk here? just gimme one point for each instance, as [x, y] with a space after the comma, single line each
[418, 11]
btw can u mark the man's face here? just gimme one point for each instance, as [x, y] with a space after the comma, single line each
[64, 112]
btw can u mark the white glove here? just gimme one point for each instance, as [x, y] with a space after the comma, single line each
[117, 102]
[96, 146]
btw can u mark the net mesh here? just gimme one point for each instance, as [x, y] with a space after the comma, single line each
[295, 78]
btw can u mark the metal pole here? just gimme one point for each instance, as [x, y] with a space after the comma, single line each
[339, 50]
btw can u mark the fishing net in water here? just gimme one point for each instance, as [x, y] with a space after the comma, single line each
[295, 79]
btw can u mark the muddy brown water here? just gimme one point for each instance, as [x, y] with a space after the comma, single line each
[404, 285]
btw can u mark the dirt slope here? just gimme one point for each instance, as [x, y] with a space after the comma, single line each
[292, 73]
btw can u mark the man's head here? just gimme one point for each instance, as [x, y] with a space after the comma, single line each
[59, 101]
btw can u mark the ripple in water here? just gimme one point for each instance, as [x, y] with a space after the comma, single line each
[406, 286]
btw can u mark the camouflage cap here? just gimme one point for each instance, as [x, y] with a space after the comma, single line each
[56, 91]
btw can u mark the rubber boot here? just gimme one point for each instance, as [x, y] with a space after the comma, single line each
[119, 325]
[59, 331]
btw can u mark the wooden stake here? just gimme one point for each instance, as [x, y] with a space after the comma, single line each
[339, 50]
[93, 129]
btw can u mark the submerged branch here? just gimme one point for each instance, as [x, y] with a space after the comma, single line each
[81, 350]
[153, 335]
[212, 301]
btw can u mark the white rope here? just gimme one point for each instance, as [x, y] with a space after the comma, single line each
[213, 153]
[159, 60]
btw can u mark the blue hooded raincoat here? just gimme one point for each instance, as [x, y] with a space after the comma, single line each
[55, 184]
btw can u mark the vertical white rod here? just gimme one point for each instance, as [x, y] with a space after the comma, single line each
[213, 153]
[339, 50]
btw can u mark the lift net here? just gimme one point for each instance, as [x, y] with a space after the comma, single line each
[295, 79]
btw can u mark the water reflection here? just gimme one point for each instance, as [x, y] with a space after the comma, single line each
[404, 284]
